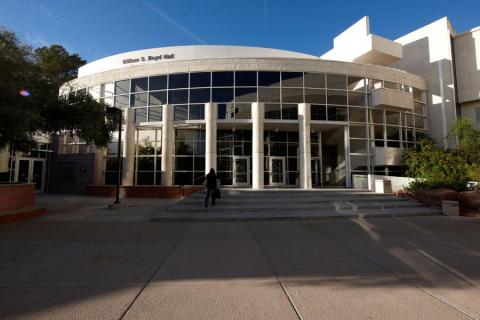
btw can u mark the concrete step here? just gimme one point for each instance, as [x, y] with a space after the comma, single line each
[265, 215]
[285, 199]
[293, 206]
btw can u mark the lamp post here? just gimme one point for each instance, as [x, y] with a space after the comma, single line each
[118, 112]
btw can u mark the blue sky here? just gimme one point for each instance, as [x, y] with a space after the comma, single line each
[95, 29]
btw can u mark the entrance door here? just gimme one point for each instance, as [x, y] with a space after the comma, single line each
[31, 171]
[241, 171]
[277, 171]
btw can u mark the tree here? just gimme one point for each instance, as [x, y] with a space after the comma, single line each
[29, 102]
[468, 140]
[18, 73]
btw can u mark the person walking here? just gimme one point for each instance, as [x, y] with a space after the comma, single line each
[211, 185]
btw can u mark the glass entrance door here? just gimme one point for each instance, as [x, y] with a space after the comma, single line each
[241, 171]
[277, 171]
[31, 171]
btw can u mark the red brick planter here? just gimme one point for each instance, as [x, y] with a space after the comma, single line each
[175, 192]
[16, 196]
[17, 202]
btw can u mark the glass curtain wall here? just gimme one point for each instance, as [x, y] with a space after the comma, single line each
[231, 144]
[189, 158]
[148, 157]
[282, 144]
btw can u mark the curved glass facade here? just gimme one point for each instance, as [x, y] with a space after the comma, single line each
[336, 100]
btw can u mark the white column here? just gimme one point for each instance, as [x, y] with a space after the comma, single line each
[168, 143]
[128, 171]
[304, 146]
[346, 138]
[258, 115]
[210, 136]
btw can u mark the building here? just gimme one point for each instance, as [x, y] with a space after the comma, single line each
[273, 118]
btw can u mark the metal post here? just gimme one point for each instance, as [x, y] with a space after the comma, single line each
[119, 166]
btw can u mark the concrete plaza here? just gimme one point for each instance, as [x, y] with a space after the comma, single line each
[82, 261]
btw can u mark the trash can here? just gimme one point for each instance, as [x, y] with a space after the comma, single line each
[450, 208]
[383, 186]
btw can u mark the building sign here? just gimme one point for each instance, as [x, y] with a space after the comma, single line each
[166, 56]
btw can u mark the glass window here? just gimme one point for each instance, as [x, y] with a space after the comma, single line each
[477, 114]
[145, 178]
[393, 133]
[418, 108]
[292, 79]
[181, 112]
[122, 101]
[268, 95]
[246, 78]
[139, 84]
[314, 80]
[122, 87]
[177, 96]
[358, 131]
[356, 84]
[184, 163]
[199, 95]
[140, 115]
[222, 94]
[158, 98]
[378, 132]
[318, 112]
[246, 94]
[292, 95]
[269, 79]
[146, 163]
[390, 85]
[336, 113]
[222, 79]
[179, 80]
[359, 162]
[418, 95]
[196, 112]
[336, 81]
[337, 97]
[392, 117]
[222, 111]
[357, 114]
[356, 98]
[155, 114]
[94, 92]
[273, 111]
[289, 111]
[358, 146]
[419, 122]
[374, 84]
[409, 120]
[158, 83]
[107, 89]
[377, 116]
[200, 79]
[243, 110]
[316, 96]
[139, 100]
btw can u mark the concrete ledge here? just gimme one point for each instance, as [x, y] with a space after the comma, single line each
[11, 216]
[173, 192]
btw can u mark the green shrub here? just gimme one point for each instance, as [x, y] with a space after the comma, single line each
[435, 168]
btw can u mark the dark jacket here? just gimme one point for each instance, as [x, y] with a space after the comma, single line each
[211, 181]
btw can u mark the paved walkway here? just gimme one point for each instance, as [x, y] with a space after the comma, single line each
[102, 264]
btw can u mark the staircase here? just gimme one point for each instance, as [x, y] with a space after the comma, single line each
[294, 204]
